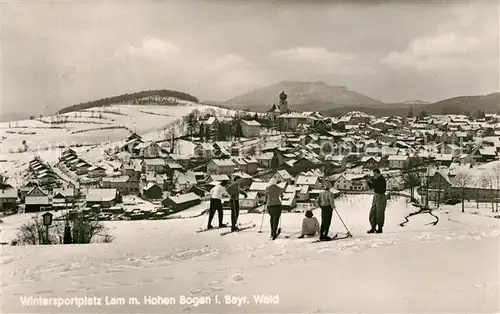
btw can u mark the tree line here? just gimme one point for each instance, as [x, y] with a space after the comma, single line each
[127, 98]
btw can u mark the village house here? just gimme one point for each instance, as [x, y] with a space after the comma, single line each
[8, 199]
[152, 191]
[181, 202]
[182, 180]
[148, 150]
[250, 128]
[439, 185]
[250, 202]
[220, 166]
[449, 149]
[303, 193]
[339, 159]
[204, 150]
[291, 121]
[398, 161]
[443, 159]
[104, 198]
[172, 167]
[265, 160]
[182, 160]
[156, 165]
[36, 200]
[133, 171]
[82, 168]
[96, 172]
[344, 182]
[371, 162]
[283, 176]
[124, 184]
[246, 164]
[312, 182]
[484, 154]
[289, 201]
[68, 194]
[395, 183]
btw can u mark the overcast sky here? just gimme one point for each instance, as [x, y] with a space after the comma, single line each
[57, 54]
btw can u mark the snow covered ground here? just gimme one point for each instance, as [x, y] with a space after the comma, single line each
[449, 267]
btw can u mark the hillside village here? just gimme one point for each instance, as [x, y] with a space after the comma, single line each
[443, 158]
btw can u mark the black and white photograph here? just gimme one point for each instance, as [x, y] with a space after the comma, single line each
[218, 156]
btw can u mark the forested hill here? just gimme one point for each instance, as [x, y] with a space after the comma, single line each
[133, 98]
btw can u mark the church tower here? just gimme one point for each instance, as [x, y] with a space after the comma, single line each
[283, 105]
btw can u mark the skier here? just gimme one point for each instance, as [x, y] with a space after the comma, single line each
[234, 191]
[273, 204]
[310, 225]
[377, 211]
[326, 202]
[216, 194]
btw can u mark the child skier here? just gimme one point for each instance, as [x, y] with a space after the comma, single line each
[310, 225]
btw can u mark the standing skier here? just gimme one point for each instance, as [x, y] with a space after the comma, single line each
[234, 191]
[273, 204]
[377, 211]
[326, 202]
[216, 195]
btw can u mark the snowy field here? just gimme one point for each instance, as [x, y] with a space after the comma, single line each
[449, 268]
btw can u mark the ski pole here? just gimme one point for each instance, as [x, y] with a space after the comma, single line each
[348, 232]
[262, 221]
[207, 212]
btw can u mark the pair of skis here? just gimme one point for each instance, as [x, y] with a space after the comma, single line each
[241, 227]
[335, 238]
[246, 226]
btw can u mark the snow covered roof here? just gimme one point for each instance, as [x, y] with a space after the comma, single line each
[117, 179]
[64, 192]
[219, 177]
[95, 168]
[252, 195]
[397, 158]
[287, 199]
[101, 195]
[223, 162]
[295, 115]
[307, 180]
[150, 185]
[251, 122]
[8, 193]
[444, 157]
[184, 198]
[154, 162]
[366, 158]
[284, 174]
[37, 200]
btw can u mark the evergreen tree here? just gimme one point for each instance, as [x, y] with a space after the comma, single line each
[201, 133]
[239, 130]
[410, 112]
[256, 117]
[221, 132]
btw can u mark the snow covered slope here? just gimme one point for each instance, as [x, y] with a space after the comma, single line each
[450, 267]
[93, 130]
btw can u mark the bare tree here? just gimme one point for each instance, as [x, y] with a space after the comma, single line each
[462, 180]
[83, 231]
[495, 173]
[486, 182]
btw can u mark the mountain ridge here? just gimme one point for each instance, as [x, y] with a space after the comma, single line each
[301, 95]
